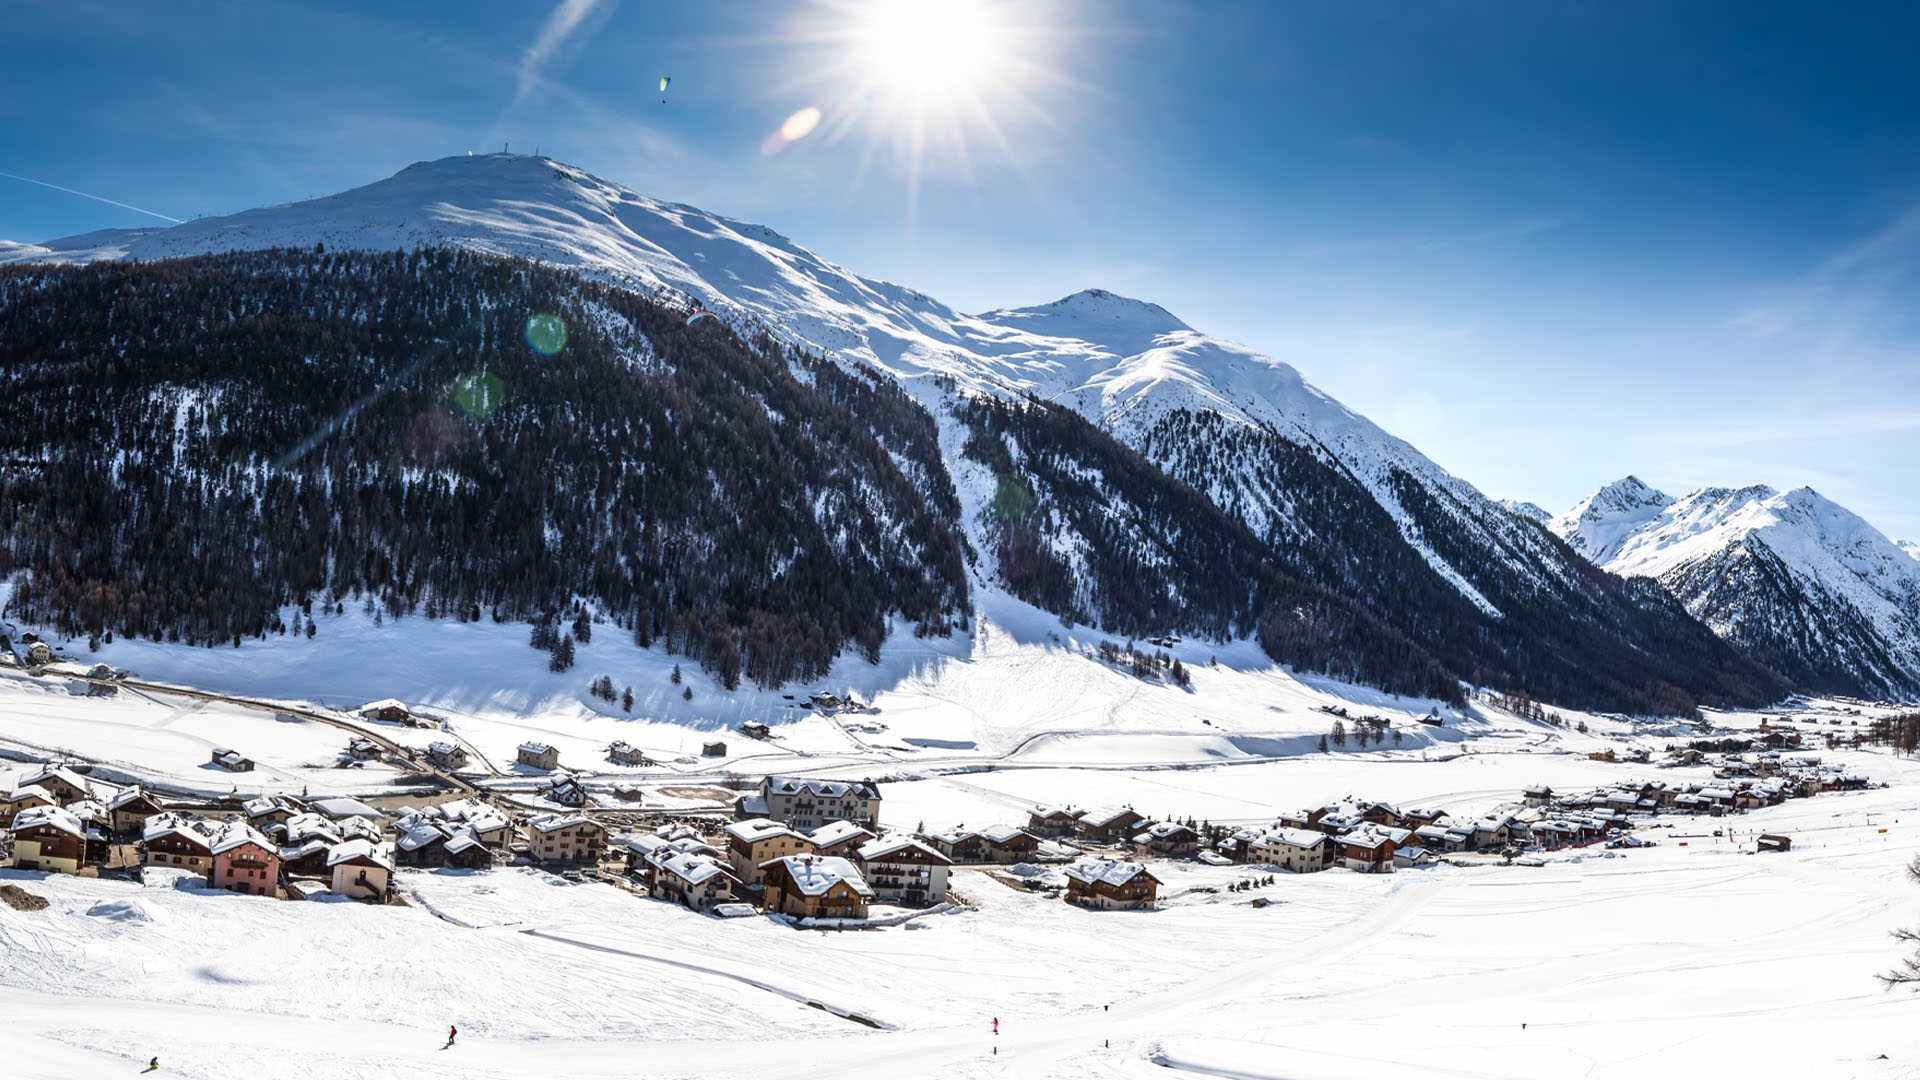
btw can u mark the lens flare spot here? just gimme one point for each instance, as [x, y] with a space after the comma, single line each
[546, 334]
[792, 130]
[479, 393]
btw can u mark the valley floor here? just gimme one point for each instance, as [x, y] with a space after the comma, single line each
[1701, 957]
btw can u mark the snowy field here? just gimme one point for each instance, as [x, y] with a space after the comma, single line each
[1702, 957]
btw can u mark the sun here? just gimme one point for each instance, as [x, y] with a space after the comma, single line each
[942, 88]
[932, 51]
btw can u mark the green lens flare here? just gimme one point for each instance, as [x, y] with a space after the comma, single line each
[479, 393]
[546, 334]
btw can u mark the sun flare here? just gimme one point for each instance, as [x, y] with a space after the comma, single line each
[931, 49]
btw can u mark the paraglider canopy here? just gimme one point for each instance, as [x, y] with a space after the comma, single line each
[664, 80]
[702, 315]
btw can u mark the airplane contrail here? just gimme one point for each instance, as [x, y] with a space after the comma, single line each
[85, 195]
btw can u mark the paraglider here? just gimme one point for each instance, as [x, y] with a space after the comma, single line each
[702, 314]
[664, 80]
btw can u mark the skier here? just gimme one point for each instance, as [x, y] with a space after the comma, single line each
[152, 1066]
[996, 1025]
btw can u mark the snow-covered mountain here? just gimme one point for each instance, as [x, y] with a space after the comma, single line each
[1800, 582]
[1530, 511]
[1334, 498]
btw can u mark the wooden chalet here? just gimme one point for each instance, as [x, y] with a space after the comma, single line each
[815, 887]
[1110, 885]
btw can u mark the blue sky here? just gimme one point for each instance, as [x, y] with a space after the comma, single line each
[1550, 244]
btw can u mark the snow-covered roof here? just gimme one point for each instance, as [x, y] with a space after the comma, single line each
[1103, 816]
[128, 795]
[338, 806]
[880, 850]
[756, 829]
[839, 832]
[694, 869]
[813, 875]
[358, 850]
[441, 748]
[532, 747]
[236, 834]
[1288, 837]
[1167, 830]
[383, 703]
[36, 816]
[554, 822]
[30, 792]
[462, 841]
[1044, 811]
[180, 825]
[821, 789]
[419, 836]
[1001, 834]
[1108, 872]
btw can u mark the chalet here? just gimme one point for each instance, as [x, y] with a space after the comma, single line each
[1444, 835]
[960, 845]
[566, 838]
[244, 861]
[1417, 816]
[487, 824]
[1302, 851]
[694, 881]
[177, 841]
[1009, 844]
[536, 755]
[1237, 846]
[713, 749]
[1493, 831]
[1168, 839]
[808, 804]
[815, 887]
[39, 653]
[1053, 821]
[270, 810]
[566, 791]
[230, 760]
[1370, 849]
[66, 786]
[1537, 795]
[386, 710]
[360, 870]
[839, 838]
[621, 754]
[754, 729]
[48, 838]
[1107, 884]
[902, 870]
[308, 858]
[430, 846]
[445, 755]
[361, 748]
[1773, 842]
[1379, 813]
[751, 844]
[24, 798]
[1108, 824]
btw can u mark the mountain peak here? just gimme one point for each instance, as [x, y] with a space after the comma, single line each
[1121, 323]
[1597, 525]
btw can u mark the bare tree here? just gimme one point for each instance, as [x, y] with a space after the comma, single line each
[1908, 973]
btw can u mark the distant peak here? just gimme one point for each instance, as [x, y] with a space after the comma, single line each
[1094, 315]
[1628, 492]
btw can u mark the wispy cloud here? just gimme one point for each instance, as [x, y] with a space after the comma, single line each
[1843, 300]
[89, 195]
[561, 25]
